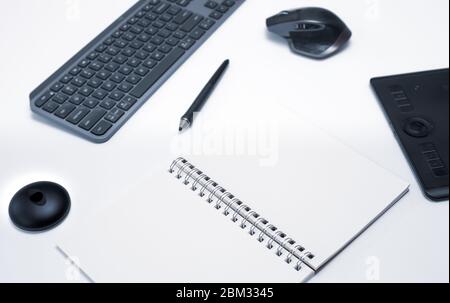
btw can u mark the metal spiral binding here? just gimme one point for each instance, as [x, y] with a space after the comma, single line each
[250, 219]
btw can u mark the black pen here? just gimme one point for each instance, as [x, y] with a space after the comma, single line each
[188, 117]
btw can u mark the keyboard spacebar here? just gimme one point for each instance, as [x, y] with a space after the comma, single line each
[157, 73]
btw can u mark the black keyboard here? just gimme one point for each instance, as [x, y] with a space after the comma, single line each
[99, 89]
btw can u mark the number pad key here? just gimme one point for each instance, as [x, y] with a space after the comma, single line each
[114, 115]
[101, 128]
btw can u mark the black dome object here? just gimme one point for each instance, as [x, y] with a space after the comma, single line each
[314, 32]
[39, 206]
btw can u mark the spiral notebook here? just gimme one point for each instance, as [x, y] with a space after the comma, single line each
[278, 216]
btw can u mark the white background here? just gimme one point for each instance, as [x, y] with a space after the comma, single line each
[409, 244]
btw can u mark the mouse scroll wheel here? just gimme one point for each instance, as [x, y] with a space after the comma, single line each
[309, 27]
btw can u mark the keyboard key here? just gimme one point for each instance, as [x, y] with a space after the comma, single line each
[183, 2]
[118, 78]
[144, 23]
[101, 48]
[136, 44]
[133, 79]
[108, 104]
[187, 44]
[112, 67]
[60, 98]
[147, 8]
[161, 8]
[100, 94]
[125, 70]
[157, 73]
[69, 90]
[133, 20]
[120, 44]
[117, 95]
[149, 48]
[144, 37]
[109, 41]
[158, 24]
[129, 37]
[136, 30]
[108, 86]
[151, 16]
[126, 104]
[86, 91]
[65, 110]
[206, 24]
[140, 14]
[83, 63]
[95, 83]
[57, 87]
[113, 51]
[125, 87]
[44, 98]
[88, 74]
[92, 56]
[222, 9]
[172, 41]
[182, 17]
[66, 79]
[165, 48]
[179, 35]
[128, 52]
[150, 63]
[173, 10]
[191, 23]
[152, 31]
[50, 106]
[77, 99]
[197, 34]
[91, 103]
[229, 3]
[157, 40]
[101, 128]
[114, 115]
[216, 15]
[92, 118]
[211, 4]
[158, 56]
[104, 58]
[141, 71]
[77, 115]
[78, 81]
[164, 33]
[142, 55]
[133, 62]
[172, 27]
[75, 71]
[120, 59]
[103, 75]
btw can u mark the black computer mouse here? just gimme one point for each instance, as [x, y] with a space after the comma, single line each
[313, 32]
[39, 206]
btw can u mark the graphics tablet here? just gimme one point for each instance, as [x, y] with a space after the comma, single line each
[417, 107]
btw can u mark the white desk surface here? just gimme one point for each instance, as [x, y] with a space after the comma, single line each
[408, 244]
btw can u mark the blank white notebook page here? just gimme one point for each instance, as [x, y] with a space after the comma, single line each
[310, 186]
[168, 235]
